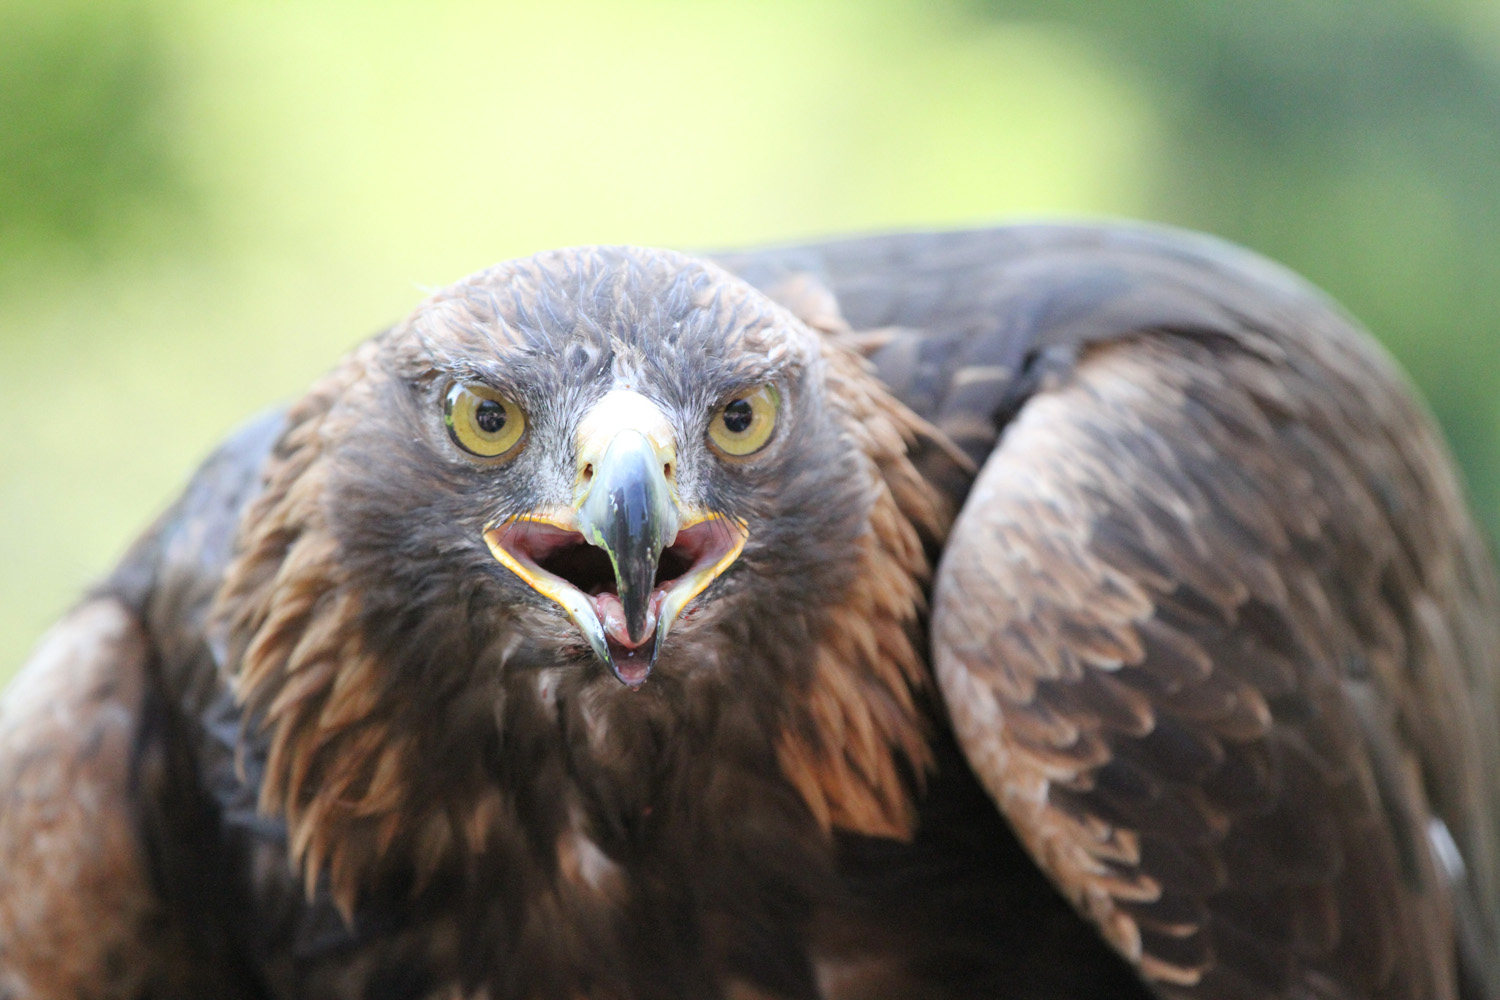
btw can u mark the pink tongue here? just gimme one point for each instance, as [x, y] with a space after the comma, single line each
[612, 616]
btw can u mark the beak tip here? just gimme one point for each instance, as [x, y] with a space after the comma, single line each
[639, 622]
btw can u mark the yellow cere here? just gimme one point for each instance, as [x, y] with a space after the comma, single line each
[744, 424]
[483, 422]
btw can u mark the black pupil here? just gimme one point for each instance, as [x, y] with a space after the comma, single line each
[489, 416]
[737, 416]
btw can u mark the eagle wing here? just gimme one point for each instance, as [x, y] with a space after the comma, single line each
[75, 899]
[1213, 627]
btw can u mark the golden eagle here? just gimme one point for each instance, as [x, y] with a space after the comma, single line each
[1041, 612]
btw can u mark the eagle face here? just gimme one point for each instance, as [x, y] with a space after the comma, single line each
[592, 463]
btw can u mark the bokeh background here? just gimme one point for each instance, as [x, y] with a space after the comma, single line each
[203, 202]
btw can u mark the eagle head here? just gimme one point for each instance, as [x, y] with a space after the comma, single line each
[576, 448]
[575, 513]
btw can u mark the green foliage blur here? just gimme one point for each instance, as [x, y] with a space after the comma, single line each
[203, 202]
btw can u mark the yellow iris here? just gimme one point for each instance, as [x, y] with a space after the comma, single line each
[483, 422]
[743, 425]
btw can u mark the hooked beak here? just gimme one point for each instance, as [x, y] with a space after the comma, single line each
[629, 513]
[626, 558]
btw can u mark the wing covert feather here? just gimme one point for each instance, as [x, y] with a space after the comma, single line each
[1211, 630]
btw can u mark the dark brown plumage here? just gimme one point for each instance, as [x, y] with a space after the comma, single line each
[571, 639]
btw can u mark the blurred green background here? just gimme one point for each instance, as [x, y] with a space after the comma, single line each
[203, 202]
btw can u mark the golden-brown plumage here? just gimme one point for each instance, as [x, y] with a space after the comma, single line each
[847, 758]
[1212, 628]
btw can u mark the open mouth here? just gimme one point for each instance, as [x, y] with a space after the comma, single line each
[560, 564]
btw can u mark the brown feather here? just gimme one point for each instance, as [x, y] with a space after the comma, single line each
[336, 769]
[1305, 550]
[78, 917]
[853, 765]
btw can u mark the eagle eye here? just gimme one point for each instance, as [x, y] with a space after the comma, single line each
[744, 424]
[483, 422]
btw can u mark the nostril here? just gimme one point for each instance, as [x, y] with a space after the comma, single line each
[588, 474]
[666, 469]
